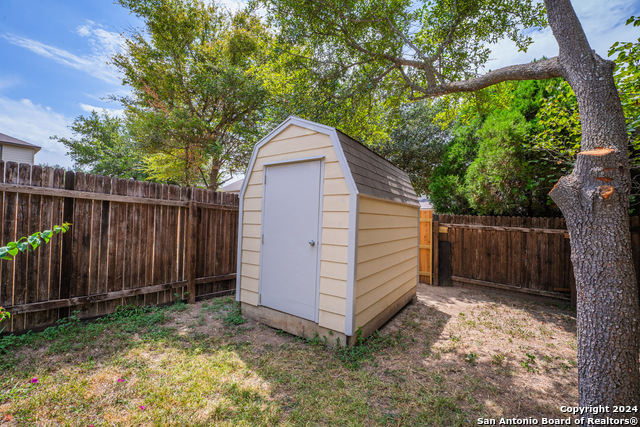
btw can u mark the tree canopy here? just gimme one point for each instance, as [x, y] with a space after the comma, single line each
[102, 144]
[196, 94]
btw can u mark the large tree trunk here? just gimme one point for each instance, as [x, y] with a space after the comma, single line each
[213, 175]
[594, 200]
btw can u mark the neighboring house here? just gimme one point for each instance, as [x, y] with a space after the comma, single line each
[234, 187]
[425, 203]
[15, 150]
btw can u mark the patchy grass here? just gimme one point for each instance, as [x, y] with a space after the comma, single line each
[452, 356]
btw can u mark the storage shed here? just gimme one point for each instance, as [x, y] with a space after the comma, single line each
[328, 236]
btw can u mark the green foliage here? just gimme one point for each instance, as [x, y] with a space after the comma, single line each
[627, 75]
[297, 86]
[354, 356]
[495, 182]
[27, 243]
[196, 92]
[503, 161]
[233, 316]
[103, 145]
[559, 123]
[416, 145]
[401, 46]
[4, 315]
[30, 243]
[447, 182]
[529, 362]
[471, 358]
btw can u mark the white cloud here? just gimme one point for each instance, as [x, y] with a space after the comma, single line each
[603, 23]
[35, 123]
[7, 82]
[113, 112]
[84, 30]
[103, 45]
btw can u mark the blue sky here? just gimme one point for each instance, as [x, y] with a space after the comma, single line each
[54, 56]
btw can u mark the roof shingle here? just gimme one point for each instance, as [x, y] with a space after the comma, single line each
[374, 175]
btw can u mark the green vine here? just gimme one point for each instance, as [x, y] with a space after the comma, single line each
[32, 242]
[28, 243]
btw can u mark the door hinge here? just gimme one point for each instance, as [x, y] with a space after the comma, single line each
[259, 299]
[263, 238]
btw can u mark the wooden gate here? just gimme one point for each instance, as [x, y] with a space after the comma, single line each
[425, 268]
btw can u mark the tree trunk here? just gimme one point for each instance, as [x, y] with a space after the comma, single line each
[213, 175]
[594, 200]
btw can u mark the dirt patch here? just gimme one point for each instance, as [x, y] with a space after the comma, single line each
[513, 356]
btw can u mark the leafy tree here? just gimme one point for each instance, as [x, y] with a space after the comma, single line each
[627, 74]
[297, 87]
[436, 49]
[196, 96]
[447, 184]
[416, 145]
[102, 145]
[496, 181]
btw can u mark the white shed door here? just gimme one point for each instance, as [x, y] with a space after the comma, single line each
[291, 218]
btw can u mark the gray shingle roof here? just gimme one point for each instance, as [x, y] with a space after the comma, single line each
[374, 175]
[6, 139]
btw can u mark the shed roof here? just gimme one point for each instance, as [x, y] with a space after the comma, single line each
[374, 175]
[6, 139]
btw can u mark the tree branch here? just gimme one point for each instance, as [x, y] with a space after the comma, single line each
[427, 66]
[453, 25]
[545, 69]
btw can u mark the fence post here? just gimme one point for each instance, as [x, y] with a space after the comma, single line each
[67, 255]
[191, 250]
[435, 236]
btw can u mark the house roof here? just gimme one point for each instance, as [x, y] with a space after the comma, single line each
[425, 203]
[6, 139]
[374, 175]
[234, 187]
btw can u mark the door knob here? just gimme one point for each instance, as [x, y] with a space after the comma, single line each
[312, 243]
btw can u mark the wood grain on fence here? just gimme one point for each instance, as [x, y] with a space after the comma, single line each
[130, 242]
[425, 269]
[528, 255]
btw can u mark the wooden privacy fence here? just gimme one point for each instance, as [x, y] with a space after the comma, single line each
[528, 255]
[130, 242]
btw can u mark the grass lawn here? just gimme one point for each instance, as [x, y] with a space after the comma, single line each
[450, 357]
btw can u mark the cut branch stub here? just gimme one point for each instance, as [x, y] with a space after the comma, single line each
[598, 151]
[585, 184]
[605, 191]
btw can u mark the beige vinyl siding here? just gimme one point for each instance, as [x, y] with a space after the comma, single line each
[387, 256]
[292, 143]
[17, 154]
